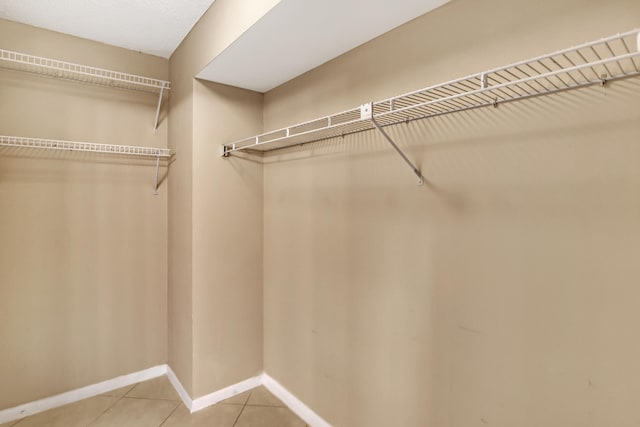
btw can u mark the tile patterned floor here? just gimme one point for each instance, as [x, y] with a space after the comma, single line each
[155, 403]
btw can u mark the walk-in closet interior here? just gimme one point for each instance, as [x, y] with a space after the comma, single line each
[438, 226]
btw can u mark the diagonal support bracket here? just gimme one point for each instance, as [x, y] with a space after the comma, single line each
[155, 186]
[366, 112]
[155, 124]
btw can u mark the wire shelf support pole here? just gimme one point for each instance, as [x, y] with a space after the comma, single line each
[366, 112]
[155, 124]
[155, 186]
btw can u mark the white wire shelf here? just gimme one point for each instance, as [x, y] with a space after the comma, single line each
[53, 144]
[591, 63]
[123, 150]
[82, 73]
[85, 74]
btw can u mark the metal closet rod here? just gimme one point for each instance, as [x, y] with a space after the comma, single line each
[90, 147]
[595, 62]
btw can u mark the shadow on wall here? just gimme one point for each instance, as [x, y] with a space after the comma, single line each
[510, 125]
[31, 165]
[465, 305]
[509, 122]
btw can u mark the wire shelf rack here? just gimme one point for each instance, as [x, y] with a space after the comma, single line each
[82, 73]
[53, 144]
[591, 63]
[123, 150]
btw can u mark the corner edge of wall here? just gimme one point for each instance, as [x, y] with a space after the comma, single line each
[179, 388]
[293, 403]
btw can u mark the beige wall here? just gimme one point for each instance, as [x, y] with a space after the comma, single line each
[502, 292]
[227, 230]
[180, 331]
[84, 242]
[215, 214]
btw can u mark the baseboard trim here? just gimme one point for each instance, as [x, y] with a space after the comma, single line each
[295, 404]
[292, 402]
[177, 385]
[72, 396]
[194, 405]
[225, 393]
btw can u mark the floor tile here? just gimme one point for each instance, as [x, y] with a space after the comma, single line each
[157, 388]
[238, 399]
[262, 396]
[268, 416]
[119, 392]
[213, 416]
[136, 413]
[78, 414]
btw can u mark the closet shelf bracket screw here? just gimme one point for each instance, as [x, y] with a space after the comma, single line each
[603, 79]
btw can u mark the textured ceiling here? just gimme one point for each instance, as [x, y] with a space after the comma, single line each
[151, 26]
[299, 35]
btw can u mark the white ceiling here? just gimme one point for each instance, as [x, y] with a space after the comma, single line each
[299, 35]
[151, 26]
[295, 36]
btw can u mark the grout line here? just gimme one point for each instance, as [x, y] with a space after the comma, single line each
[110, 407]
[150, 398]
[131, 389]
[169, 416]
[238, 417]
[246, 401]
[242, 410]
[261, 405]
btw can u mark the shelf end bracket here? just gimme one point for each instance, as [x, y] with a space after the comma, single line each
[366, 112]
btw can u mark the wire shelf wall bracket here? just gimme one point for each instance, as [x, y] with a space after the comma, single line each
[597, 62]
[366, 112]
[90, 147]
[85, 74]
[155, 123]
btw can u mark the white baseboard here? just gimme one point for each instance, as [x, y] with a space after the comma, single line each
[200, 403]
[177, 385]
[41, 405]
[292, 402]
[225, 393]
[295, 404]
